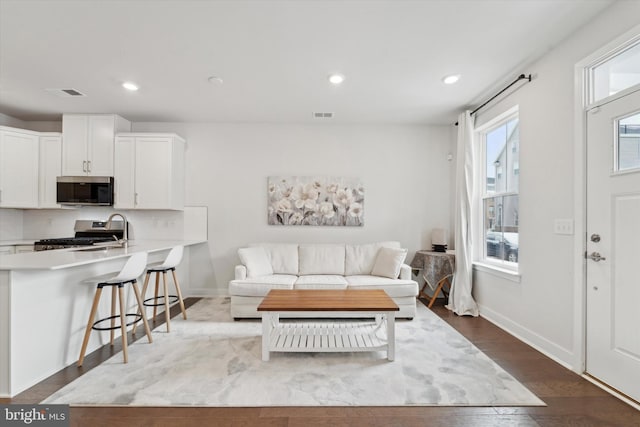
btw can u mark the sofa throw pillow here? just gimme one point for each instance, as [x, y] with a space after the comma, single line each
[388, 262]
[360, 258]
[256, 260]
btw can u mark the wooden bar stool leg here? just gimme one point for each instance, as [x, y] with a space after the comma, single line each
[123, 325]
[179, 292]
[155, 295]
[113, 313]
[92, 316]
[141, 307]
[167, 315]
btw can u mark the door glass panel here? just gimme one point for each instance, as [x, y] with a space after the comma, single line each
[629, 143]
[616, 74]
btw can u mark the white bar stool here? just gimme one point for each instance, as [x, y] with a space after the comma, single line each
[170, 263]
[132, 269]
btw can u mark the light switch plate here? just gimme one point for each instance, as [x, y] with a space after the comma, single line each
[563, 226]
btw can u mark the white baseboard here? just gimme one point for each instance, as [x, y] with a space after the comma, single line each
[550, 349]
[207, 292]
[613, 392]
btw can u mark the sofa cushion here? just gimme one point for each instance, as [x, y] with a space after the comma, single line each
[321, 259]
[321, 281]
[393, 287]
[260, 286]
[256, 260]
[388, 262]
[283, 256]
[359, 259]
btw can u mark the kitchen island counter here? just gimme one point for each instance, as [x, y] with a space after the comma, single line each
[73, 257]
[46, 297]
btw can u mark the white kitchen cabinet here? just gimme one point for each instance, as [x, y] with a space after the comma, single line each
[149, 171]
[88, 143]
[19, 175]
[50, 168]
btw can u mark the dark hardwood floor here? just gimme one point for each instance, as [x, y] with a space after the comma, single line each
[571, 400]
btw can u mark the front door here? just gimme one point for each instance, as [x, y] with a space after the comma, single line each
[613, 244]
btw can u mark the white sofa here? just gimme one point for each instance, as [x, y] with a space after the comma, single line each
[266, 266]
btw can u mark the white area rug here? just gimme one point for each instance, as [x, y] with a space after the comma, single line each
[210, 360]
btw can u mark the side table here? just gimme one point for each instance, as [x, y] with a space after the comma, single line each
[437, 270]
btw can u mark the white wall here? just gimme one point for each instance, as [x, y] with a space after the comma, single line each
[541, 307]
[404, 169]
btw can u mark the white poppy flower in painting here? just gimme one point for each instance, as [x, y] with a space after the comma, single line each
[316, 201]
[325, 210]
[343, 198]
[283, 205]
[355, 210]
[305, 196]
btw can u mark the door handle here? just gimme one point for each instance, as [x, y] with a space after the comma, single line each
[84, 166]
[595, 256]
[88, 165]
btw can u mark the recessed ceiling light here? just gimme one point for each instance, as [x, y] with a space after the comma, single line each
[449, 80]
[130, 86]
[336, 79]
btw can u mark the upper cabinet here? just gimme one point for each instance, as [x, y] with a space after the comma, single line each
[19, 168]
[88, 144]
[149, 171]
[50, 168]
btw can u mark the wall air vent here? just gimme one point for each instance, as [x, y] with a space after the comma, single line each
[65, 93]
[323, 115]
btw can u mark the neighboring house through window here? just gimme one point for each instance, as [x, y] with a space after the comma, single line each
[499, 167]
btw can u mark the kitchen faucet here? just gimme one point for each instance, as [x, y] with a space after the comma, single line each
[124, 241]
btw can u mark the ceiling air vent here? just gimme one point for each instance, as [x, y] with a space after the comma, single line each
[65, 93]
[323, 115]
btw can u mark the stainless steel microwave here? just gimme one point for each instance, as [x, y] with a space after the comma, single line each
[85, 190]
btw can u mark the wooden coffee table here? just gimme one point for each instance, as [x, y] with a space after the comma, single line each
[340, 335]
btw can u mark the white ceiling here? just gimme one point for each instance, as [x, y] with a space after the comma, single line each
[273, 56]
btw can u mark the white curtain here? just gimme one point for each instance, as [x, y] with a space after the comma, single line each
[460, 300]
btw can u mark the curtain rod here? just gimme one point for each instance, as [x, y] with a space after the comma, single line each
[520, 77]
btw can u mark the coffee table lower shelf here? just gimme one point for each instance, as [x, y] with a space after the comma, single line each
[328, 336]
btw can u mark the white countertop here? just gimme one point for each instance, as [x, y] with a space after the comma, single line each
[17, 242]
[73, 257]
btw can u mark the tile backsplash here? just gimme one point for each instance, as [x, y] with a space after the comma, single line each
[53, 223]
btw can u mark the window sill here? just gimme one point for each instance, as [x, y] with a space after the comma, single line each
[503, 273]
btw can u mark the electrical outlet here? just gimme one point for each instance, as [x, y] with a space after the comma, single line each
[563, 226]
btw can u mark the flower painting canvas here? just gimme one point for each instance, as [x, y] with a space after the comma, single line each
[296, 200]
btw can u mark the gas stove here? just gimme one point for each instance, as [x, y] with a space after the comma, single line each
[88, 233]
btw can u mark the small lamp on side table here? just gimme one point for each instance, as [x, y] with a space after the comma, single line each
[439, 240]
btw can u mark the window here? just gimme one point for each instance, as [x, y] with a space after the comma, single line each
[615, 73]
[499, 185]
